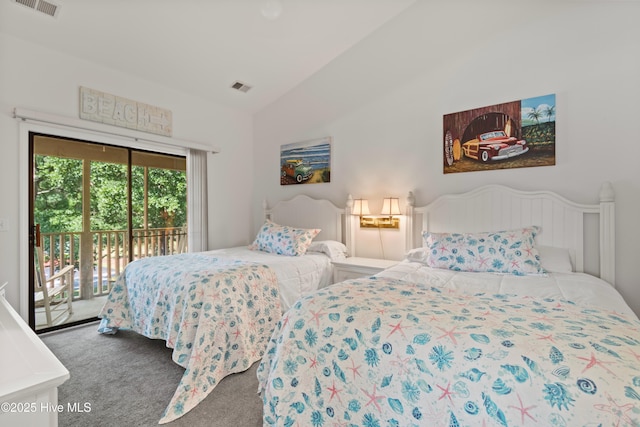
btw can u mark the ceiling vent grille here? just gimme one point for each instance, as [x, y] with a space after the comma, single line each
[242, 87]
[41, 6]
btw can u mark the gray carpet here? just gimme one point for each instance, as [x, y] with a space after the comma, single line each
[127, 379]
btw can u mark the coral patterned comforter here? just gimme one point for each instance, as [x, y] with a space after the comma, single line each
[217, 314]
[386, 352]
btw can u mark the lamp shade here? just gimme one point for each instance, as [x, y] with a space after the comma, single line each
[360, 207]
[390, 206]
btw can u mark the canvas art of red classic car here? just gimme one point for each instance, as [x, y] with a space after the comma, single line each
[494, 145]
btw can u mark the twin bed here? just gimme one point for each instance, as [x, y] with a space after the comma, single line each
[218, 309]
[480, 328]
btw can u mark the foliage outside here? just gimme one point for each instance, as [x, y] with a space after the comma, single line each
[58, 196]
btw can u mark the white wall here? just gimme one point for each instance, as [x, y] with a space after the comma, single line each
[383, 102]
[39, 79]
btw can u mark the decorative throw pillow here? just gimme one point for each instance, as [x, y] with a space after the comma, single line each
[510, 252]
[283, 240]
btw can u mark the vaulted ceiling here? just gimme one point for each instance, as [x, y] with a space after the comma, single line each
[201, 47]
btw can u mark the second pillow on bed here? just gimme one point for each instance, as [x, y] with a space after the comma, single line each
[283, 240]
[507, 252]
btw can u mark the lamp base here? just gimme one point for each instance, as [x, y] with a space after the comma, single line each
[381, 222]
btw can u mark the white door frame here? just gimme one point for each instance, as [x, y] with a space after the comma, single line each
[25, 128]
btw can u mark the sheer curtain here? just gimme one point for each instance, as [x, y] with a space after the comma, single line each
[197, 200]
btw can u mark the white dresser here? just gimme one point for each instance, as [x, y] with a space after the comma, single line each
[29, 374]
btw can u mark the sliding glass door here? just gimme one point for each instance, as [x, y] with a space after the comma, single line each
[98, 207]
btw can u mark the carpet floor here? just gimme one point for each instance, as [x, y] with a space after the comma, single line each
[126, 379]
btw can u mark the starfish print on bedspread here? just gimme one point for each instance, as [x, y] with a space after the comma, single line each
[523, 410]
[395, 328]
[593, 361]
[619, 412]
[373, 398]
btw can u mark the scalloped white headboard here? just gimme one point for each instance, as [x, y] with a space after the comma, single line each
[565, 224]
[305, 212]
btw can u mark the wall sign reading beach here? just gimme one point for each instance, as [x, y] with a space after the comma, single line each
[306, 162]
[515, 134]
[114, 110]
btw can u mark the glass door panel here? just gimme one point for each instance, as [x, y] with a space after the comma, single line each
[98, 208]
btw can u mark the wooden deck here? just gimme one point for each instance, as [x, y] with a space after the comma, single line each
[82, 310]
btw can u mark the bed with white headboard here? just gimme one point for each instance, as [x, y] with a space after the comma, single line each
[305, 212]
[531, 339]
[217, 309]
[587, 231]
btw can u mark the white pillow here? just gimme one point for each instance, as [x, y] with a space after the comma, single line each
[417, 255]
[335, 250]
[554, 259]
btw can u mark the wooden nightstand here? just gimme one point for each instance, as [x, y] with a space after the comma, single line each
[355, 267]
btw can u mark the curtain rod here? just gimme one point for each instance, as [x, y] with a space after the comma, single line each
[36, 116]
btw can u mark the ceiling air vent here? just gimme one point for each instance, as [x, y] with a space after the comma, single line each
[242, 87]
[41, 6]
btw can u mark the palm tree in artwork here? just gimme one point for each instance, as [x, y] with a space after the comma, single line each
[550, 111]
[535, 114]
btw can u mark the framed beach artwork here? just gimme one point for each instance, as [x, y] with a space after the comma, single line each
[515, 134]
[306, 162]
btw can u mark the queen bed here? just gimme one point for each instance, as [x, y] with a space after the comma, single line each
[217, 309]
[491, 319]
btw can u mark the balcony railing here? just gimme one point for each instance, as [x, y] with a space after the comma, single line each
[108, 254]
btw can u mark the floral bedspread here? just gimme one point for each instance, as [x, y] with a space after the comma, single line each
[382, 352]
[217, 314]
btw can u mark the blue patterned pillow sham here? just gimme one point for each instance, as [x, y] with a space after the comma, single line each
[506, 252]
[283, 240]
